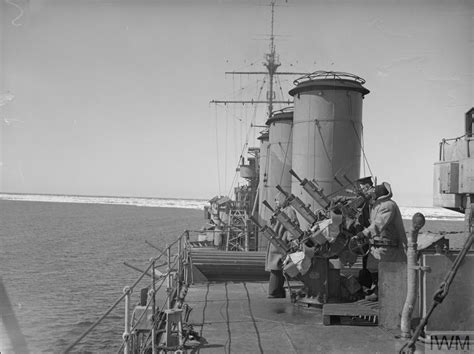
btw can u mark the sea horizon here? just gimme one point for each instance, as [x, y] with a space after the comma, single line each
[430, 212]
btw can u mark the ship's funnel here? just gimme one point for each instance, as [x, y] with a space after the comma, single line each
[275, 163]
[327, 129]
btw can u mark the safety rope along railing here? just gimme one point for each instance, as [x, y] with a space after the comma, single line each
[173, 285]
[178, 276]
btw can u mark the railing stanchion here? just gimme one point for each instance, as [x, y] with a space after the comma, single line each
[126, 333]
[153, 305]
[186, 258]
[183, 276]
[180, 268]
[168, 250]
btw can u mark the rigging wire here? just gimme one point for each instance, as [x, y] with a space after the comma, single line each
[317, 124]
[226, 145]
[267, 164]
[234, 131]
[253, 62]
[234, 140]
[241, 112]
[217, 153]
[238, 162]
[224, 106]
[242, 89]
[247, 138]
[281, 91]
[366, 161]
[286, 153]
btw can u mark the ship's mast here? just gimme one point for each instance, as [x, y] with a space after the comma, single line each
[271, 63]
[240, 235]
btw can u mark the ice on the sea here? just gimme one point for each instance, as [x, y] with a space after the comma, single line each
[430, 213]
[142, 202]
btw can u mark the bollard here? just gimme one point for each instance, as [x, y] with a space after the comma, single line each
[126, 333]
[418, 221]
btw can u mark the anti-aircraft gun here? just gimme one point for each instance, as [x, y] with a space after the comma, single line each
[299, 206]
[349, 207]
[316, 193]
[272, 237]
[335, 224]
[330, 231]
[284, 219]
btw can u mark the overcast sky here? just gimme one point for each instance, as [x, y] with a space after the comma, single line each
[112, 97]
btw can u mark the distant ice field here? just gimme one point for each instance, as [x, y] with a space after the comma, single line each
[430, 213]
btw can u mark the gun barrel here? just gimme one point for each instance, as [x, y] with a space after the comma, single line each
[281, 190]
[268, 206]
[303, 210]
[273, 238]
[255, 221]
[348, 180]
[288, 224]
[293, 173]
[338, 182]
[317, 194]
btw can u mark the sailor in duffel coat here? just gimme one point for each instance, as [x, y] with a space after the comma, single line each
[274, 258]
[386, 232]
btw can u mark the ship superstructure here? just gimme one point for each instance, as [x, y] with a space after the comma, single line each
[322, 136]
[237, 232]
[453, 173]
[209, 294]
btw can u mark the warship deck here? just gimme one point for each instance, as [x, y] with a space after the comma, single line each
[238, 317]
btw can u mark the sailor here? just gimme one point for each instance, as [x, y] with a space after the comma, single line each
[274, 258]
[366, 186]
[386, 233]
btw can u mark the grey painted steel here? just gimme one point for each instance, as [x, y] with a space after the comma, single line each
[276, 164]
[456, 313]
[263, 212]
[327, 133]
[278, 158]
[280, 155]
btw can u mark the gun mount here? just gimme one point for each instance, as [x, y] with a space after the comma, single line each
[299, 206]
[316, 193]
[284, 219]
[272, 237]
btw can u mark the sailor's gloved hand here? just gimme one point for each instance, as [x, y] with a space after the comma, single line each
[294, 244]
[361, 237]
[272, 220]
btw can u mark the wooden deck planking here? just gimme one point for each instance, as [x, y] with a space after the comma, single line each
[238, 318]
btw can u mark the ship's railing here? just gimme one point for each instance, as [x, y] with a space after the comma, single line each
[455, 148]
[177, 278]
[329, 75]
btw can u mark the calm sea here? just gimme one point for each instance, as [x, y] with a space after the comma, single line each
[62, 264]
